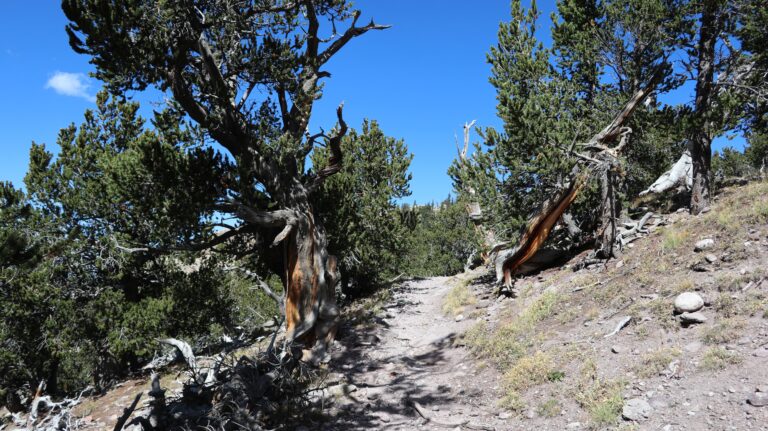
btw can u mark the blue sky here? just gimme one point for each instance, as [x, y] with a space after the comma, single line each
[421, 80]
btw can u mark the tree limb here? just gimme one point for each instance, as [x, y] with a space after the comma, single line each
[336, 157]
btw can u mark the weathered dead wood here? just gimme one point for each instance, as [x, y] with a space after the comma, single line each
[619, 326]
[539, 227]
[186, 352]
[680, 174]
[474, 210]
[440, 423]
[602, 158]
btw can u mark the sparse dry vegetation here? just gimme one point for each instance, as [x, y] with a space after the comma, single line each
[718, 358]
[458, 298]
[657, 361]
[727, 330]
[601, 398]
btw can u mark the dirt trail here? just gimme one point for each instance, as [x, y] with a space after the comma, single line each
[408, 358]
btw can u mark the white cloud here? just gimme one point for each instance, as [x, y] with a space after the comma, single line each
[70, 84]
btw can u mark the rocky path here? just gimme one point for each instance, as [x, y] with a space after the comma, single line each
[405, 372]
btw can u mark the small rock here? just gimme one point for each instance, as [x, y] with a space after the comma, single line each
[697, 317]
[530, 414]
[711, 258]
[760, 353]
[704, 244]
[617, 349]
[573, 425]
[688, 302]
[460, 317]
[619, 264]
[636, 409]
[505, 415]
[758, 399]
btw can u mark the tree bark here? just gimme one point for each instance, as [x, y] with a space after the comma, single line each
[611, 211]
[700, 136]
[310, 279]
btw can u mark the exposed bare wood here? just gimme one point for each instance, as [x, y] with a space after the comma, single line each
[680, 174]
[537, 231]
[540, 225]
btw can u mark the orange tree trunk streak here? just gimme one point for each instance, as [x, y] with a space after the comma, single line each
[539, 227]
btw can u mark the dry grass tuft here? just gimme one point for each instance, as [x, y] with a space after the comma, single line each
[599, 397]
[654, 363]
[717, 358]
[458, 299]
[724, 331]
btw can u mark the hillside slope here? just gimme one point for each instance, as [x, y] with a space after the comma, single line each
[561, 369]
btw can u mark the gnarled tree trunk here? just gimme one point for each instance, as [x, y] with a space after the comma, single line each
[701, 139]
[311, 313]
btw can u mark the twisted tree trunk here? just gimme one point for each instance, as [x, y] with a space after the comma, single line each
[701, 138]
[311, 313]
[602, 158]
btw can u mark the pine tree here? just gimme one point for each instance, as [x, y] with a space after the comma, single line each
[247, 73]
[359, 205]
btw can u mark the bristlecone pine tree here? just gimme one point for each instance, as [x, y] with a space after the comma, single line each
[247, 72]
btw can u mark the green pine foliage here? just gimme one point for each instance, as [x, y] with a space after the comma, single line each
[359, 207]
[443, 239]
[551, 99]
[76, 308]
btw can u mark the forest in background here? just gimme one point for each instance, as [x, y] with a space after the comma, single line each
[191, 223]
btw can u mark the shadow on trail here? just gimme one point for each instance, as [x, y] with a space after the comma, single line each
[385, 386]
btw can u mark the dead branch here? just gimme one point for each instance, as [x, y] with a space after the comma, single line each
[680, 174]
[186, 351]
[622, 323]
[540, 225]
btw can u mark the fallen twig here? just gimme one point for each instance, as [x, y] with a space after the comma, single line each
[466, 424]
[622, 323]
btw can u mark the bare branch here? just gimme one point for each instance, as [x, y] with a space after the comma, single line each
[336, 157]
[220, 239]
[348, 35]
